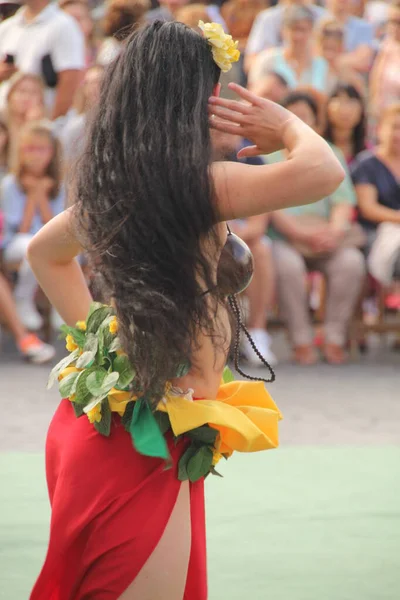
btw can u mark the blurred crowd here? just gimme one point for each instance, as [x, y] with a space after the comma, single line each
[336, 65]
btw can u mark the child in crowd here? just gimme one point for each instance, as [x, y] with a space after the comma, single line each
[32, 194]
[25, 103]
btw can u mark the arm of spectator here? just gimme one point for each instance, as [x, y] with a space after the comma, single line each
[375, 80]
[359, 59]
[6, 71]
[68, 57]
[340, 218]
[370, 208]
[252, 229]
[52, 254]
[29, 213]
[289, 227]
[68, 83]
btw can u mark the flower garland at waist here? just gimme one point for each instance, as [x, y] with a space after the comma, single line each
[98, 379]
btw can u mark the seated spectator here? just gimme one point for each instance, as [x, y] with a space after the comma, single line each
[316, 237]
[358, 36]
[168, 10]
[191, 14]
[25, 102]
[72, 135]
[385, 75]
[239, 17]
[32, 194]
[120, 18]
[346, 125]
[295, 61]
[4, 143]
[271, 86]
[330, 45]
[29, 345]
[267, 28]
[376, 176]
[43, 40]
[261, 291]
[80, 11]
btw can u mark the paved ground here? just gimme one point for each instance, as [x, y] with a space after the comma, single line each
[319, 519]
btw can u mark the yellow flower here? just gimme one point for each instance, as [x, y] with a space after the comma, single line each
[81, 325]
[216, 457]
[113, 326]
[70, 345]
[94, 414]
[72, 397]
[225, 50]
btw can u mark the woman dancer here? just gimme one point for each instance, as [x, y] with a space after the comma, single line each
[151, 209]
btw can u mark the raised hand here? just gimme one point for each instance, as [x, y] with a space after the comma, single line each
[261, 121]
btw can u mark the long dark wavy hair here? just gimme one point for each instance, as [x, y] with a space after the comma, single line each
[360, 130]
[145, 197]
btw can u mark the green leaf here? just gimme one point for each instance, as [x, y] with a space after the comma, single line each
[183, 462]
[63, 364]
[105, 328]
[125, 370]
[78, 336]
[78, 409]
[64, 329]
[104, 425]
[85, 359]
[146, 435]
[95, 381]
[96, 318]
[82, 394]
[115, 345]
[108, 383]
[215, 472]
[93, 307]
[162, 419]
[200, 464]
[183, 369]
[205, 434]
[227, 375]
[67, 384]
[91, 343]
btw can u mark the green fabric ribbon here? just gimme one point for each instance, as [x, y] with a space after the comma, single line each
[145, 432]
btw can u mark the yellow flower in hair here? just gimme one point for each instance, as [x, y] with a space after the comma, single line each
[225, 50]
[113, 326]
[70, 345]
[81, 325]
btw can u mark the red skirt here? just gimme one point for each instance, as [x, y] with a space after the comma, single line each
[110, 506]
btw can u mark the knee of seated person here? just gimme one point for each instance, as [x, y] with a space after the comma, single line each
[288, 261]
[353, 262]
[261, 248]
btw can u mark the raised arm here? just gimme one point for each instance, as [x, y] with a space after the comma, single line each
[310, 173]
[52, 255]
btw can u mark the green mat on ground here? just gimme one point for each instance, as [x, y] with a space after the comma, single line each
[293, 524]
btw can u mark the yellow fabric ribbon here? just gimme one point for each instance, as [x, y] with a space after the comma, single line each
[244, 414]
